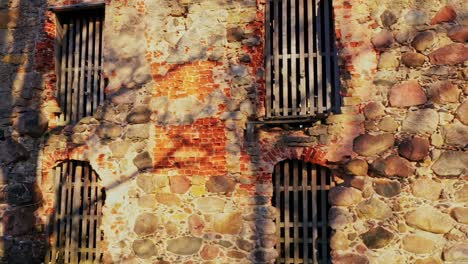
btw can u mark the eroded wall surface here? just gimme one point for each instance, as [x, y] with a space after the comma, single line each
[185, 184]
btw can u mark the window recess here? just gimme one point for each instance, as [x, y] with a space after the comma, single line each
[78, 60]
[300, 59]
[74, 232]
[300, 195]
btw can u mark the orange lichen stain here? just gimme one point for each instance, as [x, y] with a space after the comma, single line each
[191, 79]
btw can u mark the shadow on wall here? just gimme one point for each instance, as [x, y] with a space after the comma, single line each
[21, 126]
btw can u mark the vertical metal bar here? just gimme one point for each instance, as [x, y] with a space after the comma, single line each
[323, 213]
[101, 68]
[302, 92]
[64, 74]
[68, 211]
[318, 36]
[287, 241]
[61, 210]
[268, 58]
[89, 90]
[92, 213]
[305, 213]
[336, 74]
[74, 212]
[328, 78]
[84, 215]
[99, 219]
[292, 15]
[96, 87]
[76, 88]
[314, 212]
[82, 94]
[296, 210]
[284, 53]
[60, 50]
[278, 210]
[92, 63]
[277, 74]
[311, 40]
[69, 92]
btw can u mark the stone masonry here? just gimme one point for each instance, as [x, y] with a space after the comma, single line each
[184, 181]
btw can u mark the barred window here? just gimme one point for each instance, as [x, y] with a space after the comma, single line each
[78, 60]
[301, 59]
[74, 228]
[300, 195]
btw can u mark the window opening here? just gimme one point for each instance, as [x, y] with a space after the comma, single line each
[301, 59]
[80, 84]
[74, 229]
[300, 196]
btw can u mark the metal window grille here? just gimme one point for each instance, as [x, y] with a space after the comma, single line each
[74, 229]
[80, 84]
[301, 59]
[301, 198]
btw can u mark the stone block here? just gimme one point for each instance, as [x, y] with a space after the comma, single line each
[455, 134]
[357, 167]
[445, 14]
[450, 54]
[458, 34]
[33, 124]
[451, 163]
[462, 112]
[415, 17]
[387, 188]
[185, 246]
[423, 40]
[460, 214]
[429, 219]
[143, 161]
[421, 121]
[374, 110]
[12, 151]
[208, 205]
[414, 149]
[228, 223]
[413, 59]
[344, 196]
[457, 253]
[383, 39]
[373, 208]
[179, 184]
[369, 145]
[442, 92]
[223, 184]
[426, 188]
[408, 93]
[377, 237]
[146, 224]
[168, 199]
[144, 248]
[137, 132]
[350, 258]
[417, 244]
[388, 18]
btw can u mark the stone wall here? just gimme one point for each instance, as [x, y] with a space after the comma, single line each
[405, 70]
[183, 182]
